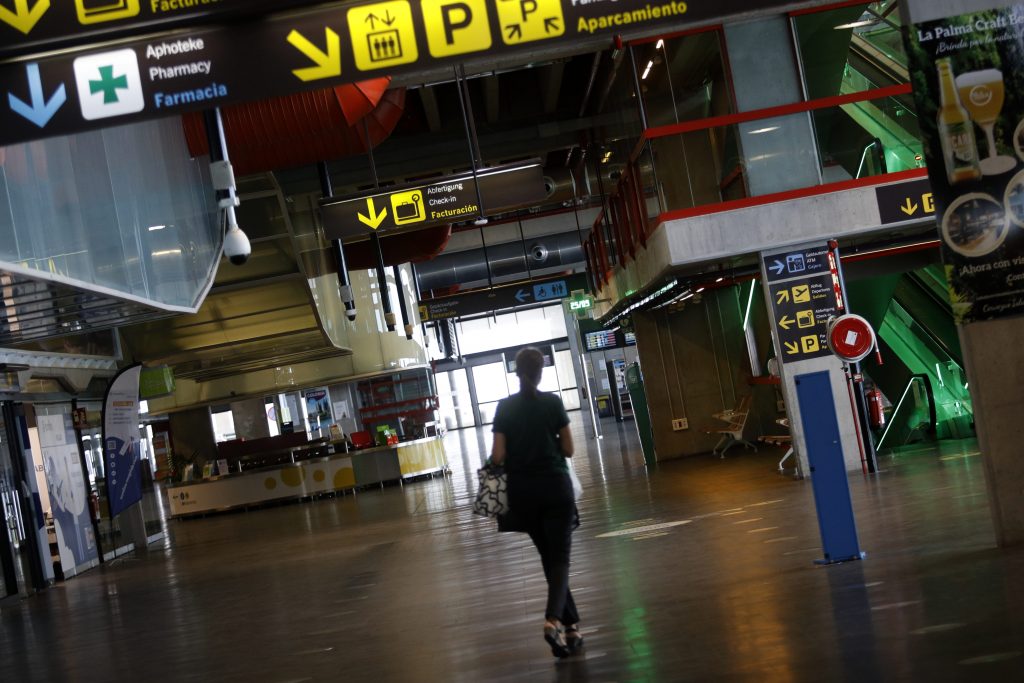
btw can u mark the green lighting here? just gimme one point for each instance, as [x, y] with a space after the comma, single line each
[750, 304]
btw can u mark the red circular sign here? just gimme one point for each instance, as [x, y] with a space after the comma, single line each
[851, 338]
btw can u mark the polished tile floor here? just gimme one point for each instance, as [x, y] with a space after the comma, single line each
[700, 571]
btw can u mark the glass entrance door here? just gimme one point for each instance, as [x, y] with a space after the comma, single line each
[454, 399]
[10, 516]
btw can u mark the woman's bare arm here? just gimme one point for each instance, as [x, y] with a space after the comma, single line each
[498, 449]
[565, 441]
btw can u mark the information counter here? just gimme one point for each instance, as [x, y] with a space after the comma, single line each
[308, 478]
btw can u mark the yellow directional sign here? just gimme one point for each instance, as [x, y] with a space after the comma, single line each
[407, 207]
[782, 297]
[25, 15]
[805, 319]
[810, 344]
[786, 322]
[100, 12]
[792, 349]
[328, 64]
[455, 27]
[802, 294]
[382, 34]
[905, 201]
[374, 220]
[524, 21]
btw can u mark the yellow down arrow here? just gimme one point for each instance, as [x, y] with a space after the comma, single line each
[792, 348]
[375, 218]
[909, 207]
[786, 322]
[328, 64]
[23, 18]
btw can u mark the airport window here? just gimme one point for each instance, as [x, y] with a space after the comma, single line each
[851, 49]
[683, 77]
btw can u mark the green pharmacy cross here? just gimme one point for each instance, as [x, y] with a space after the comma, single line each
[108, 84]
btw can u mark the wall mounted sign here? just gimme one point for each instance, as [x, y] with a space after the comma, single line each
[201, 67]
[902, 202]
[447, 200]
[970, 103]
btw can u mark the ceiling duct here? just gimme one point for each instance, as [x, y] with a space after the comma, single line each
[304, 128]
[508, 261]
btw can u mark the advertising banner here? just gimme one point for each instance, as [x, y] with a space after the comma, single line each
[122, 443]
[68, 492]
[968, 78]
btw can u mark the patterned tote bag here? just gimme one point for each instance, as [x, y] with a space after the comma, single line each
[492, 495]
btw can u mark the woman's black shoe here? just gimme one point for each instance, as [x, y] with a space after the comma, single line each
[554, 638]
[573, 639]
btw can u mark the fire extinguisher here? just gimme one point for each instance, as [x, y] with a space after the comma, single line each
[875, 408]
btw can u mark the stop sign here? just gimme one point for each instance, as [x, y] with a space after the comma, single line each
[851, 338]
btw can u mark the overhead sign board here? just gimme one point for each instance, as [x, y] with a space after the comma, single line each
[447, 200]
[905, 201]
[198, 68]
[498, 298]
[804, 297]
[33, 26]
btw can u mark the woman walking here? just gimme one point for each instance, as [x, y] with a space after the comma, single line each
[532, 440]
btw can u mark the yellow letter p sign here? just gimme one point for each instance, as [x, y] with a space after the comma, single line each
[455, 27]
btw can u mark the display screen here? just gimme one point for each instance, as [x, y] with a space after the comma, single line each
[630, 338]
[605, 339]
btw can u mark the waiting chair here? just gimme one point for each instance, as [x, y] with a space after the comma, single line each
[732, 433]
[780, 440]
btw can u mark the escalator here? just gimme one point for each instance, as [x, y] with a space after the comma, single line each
[922, 375]
[871, 137]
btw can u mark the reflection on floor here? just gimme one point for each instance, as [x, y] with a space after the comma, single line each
[701, 570]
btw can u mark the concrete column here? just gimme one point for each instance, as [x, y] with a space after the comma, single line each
[250, 418]
[995, 365]
[695, 364]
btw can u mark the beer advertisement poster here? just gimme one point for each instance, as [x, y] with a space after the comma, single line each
[968, 78]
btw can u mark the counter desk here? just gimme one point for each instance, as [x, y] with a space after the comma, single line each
[307, 478]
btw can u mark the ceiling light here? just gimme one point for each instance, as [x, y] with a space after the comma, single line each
[700, 289]
[762, 131]
[647, 71]
[154, 228]
[167, 252]
[856, 24]
[721, 279]
[660, 44]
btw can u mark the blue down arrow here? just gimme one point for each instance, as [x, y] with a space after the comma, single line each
[40, 111]
[522, 295]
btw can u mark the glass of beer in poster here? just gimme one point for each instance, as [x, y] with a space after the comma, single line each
[982, 93]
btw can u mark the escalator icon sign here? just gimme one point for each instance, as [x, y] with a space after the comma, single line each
[407, 207]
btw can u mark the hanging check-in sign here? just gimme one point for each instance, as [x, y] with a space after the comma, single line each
[452, 199]
[165, 74]
[33, 26]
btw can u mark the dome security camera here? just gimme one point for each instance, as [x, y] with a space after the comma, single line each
[236, 244]
[350, 313]
[539, 253]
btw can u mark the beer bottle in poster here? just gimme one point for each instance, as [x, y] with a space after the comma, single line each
[956, 132]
